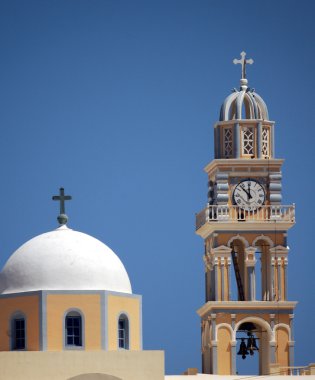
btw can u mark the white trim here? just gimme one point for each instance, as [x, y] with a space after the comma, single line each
[286, 327]
[263, 237]
[261, 322]
[238, 237]
[217, 163]
[224, 325]
[221, 249]
[206, 338]
[280, 250]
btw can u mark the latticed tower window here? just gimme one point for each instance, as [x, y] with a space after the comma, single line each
[248, 140]
[228, 142]
[265, 141]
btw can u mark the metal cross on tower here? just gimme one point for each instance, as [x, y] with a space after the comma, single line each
[62, 218]
[243, 62]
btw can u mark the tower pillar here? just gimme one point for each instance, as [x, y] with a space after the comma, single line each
[250, 262]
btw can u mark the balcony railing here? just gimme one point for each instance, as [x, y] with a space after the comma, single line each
[294, 371]
[234, 214]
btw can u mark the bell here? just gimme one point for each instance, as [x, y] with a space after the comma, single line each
[243, 349]
[251, 344]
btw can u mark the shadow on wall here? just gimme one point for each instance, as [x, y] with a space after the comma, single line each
[94, 376]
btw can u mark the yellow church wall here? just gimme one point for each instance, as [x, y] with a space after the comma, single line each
[29, 307]
[57, 305]
[226, 282]
[265, 317]
[224, 351]
[223, 238]
[223, 318]
[282, 318]
[219, 283]
[116, 305]
[283, 281]
[282, 349]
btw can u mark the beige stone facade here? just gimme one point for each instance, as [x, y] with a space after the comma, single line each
[84, 365]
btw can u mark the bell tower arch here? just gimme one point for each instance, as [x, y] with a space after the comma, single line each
[244, 226]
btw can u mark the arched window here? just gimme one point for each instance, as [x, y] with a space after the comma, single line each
[73, 329]
[18, 332]
[123, 332]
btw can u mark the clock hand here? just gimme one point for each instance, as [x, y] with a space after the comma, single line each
[247, 192]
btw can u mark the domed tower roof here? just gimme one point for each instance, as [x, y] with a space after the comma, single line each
[244, 103]
[64, 259]
[244, 130]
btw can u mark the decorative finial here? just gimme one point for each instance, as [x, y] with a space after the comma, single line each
[243, 61]
[62, 217]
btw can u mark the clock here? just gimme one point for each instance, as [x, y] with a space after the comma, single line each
[249, 195]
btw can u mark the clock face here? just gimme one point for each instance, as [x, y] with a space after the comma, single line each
[249, 195]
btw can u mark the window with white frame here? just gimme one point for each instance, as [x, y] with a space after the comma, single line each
[227, 142]
[18, 333]
[265, 141]
[73, 329]
[123, 332]
[248, 135]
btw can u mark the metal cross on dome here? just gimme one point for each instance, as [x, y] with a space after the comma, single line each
[243, 61]
[62, 218]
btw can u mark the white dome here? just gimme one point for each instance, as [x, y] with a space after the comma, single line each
[64, 259]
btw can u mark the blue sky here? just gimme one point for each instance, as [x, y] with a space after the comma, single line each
[116, 101]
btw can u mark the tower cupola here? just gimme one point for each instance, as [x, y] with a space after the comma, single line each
[244, 129]
[244, 103]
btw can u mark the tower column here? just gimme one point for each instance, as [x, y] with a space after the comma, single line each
[272, 348]
[223, 275]
[284, 276]
[233, 347]
[279, 275]
[282, 280]
[237, 140]
[291, 343]
[221, 264]
[250, 262]
[279, 260]
[272, 138]
[259, 140]
[216, 278]
[205, 346]
[210, 280]
[272, 343]
[217, 145]
[214, 348]
[273, 279]
[228, 277]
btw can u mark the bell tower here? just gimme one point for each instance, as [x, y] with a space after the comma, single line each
[244, 227]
